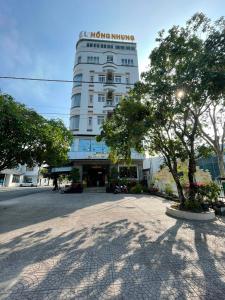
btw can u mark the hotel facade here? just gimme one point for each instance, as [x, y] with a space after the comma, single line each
[105, 69]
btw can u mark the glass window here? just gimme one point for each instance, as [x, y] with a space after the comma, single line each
[127, 80]
[16, 179]
[128, 172]
[76, 100]
[96, 146]
[87, 44]
[101, 78]
[91, 100]
[117, 99]
[74, 122]
[91, 78]
[101, 98]
[100, 120]
[77, 80]
[109, 58]
[79, 60]
[118, 79]
[89, 122]
[85, 145]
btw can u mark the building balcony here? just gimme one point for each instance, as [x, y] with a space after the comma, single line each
[109, 103]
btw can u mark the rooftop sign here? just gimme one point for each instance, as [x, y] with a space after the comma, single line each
[108, 36]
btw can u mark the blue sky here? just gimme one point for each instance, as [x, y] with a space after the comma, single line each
[37, 39]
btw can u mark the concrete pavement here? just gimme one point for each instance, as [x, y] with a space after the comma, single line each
[105, 246]
[16, 192]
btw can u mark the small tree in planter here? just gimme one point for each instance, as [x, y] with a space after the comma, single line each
[76, 186]
[74, 175]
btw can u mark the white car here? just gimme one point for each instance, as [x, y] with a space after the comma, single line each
[28, 184]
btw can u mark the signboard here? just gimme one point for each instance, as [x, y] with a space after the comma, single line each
[108, 36]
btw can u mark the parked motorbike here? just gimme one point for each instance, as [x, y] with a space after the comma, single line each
[120, 189]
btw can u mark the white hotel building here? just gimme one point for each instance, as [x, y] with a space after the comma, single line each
[105, 69]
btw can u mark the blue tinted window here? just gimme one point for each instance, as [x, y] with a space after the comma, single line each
[85, 145]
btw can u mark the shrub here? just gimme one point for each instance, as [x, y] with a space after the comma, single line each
[74, 175]
[153, 190]
[145, 189]
[137, 189]
[168, 189]
[194, 206]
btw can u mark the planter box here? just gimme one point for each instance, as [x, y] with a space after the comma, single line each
[220, 211]
[203, 216]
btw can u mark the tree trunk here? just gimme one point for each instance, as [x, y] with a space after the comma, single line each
[191, 173]
[221, 164]
[180, 191]
[172, 165]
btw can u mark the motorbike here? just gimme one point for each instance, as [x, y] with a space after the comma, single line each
[120, 189]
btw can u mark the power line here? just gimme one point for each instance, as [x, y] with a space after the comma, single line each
[63, 80]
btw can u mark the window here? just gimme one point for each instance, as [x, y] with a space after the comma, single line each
[93, 59]
[74, 122]
[91, 78]
[101, 98]
[84, 145]
[100, 120]
[118, 79]
[16, 179]
[117, 99]
[109, 77]
[87, 145]
[127, 80]
[128, 61]
[101, 78]
[109, 95]
[79, 60]
[89, 123]
[76, 100]
[77, 80]
[128, 172]
[109, 58]
[90, 100]
[27, 179]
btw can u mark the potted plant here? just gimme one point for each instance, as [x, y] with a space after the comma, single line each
[76, 186]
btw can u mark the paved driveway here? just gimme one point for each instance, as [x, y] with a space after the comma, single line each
[104, 246]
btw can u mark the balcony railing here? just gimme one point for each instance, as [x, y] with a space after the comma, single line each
[109, 103]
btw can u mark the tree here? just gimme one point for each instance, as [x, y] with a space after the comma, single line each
[74, 175]
[174, 94]
[28, 138]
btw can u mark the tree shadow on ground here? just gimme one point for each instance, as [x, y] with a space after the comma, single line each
[48, 205]
[117, 260]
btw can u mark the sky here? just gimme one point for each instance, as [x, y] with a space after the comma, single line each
[38, 38]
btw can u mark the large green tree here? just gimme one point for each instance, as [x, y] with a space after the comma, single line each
[28, 138]
[181, 84]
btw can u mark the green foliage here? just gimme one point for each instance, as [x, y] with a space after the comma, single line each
[194, 206]
[74, 175]
[137, 189]
[28, 138]
[63, 177]
[168, 189]
[43, 171]
[209, 192]
[162, 113]
[114, 174]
